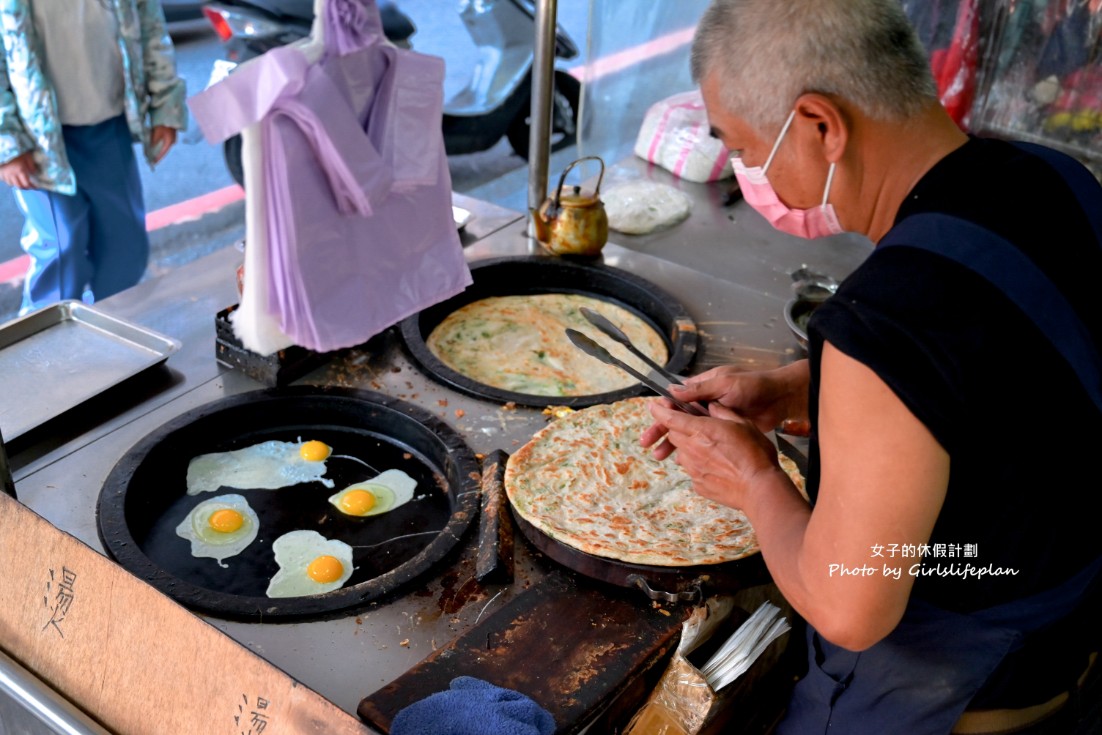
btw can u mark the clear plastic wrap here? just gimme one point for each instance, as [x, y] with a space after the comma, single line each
[1044, 76]
[1034, 68]
[637, 54]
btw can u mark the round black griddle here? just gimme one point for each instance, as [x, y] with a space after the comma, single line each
[145, 497]
[666, 584]
[523, 275]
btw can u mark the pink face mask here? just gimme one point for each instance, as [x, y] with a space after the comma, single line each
[759, 193]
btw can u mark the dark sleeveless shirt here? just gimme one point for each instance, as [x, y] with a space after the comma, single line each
[1024, 439]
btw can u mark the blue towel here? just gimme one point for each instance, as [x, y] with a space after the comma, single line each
[474, 707]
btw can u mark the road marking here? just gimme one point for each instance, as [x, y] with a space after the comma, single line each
[14, 269]
[629, 57]
[193, 209]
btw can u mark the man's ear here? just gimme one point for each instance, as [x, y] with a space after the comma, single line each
[826, 125]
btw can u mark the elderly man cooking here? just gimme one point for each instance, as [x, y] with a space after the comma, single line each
[948, 565]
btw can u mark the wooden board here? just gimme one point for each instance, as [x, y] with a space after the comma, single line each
[131, 657]
[572, 646]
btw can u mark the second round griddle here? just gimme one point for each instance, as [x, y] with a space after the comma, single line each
[663, 583]
[527, 275]
[686, 583]
[144, 499]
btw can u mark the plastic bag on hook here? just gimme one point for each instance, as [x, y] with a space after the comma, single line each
[355, 184]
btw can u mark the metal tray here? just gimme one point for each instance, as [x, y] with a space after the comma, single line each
[58, 357]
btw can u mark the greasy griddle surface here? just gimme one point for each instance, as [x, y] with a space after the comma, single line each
[728, 576]
[528, 275]
[375, 546]
[145, 497]
[672, 580]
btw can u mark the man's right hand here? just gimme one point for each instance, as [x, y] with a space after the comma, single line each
[18, 171]
[766, 398]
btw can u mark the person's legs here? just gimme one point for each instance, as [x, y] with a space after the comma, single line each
[106, 169]
[56, 231]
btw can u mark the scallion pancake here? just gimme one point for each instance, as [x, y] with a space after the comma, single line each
[585, 481]
[518, 343]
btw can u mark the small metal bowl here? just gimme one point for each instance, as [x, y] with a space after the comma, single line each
[796, 313]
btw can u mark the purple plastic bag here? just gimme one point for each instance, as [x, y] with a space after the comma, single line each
[358, 193]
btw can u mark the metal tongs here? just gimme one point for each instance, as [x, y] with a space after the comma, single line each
[658, 379]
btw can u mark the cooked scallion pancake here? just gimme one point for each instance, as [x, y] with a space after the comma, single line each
[518, 343]
[585, 481]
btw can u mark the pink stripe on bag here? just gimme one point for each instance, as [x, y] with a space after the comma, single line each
[685, 151]
[661, 130]
[721, 161]
[658, 133]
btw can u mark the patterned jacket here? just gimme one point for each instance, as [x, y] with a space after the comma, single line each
[28, 108]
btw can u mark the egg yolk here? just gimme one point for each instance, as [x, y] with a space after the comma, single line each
[325, 569]
[357, 502]
[315, 451]
[226, 520]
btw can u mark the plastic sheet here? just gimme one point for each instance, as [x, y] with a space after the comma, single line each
[682, 702]
[357, 228]
[1045, 80]
[950, 31]
[1035, 67]
[637, 54]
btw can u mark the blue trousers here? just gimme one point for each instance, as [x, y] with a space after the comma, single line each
[94, 240]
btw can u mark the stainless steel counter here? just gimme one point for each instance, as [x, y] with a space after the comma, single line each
[725, 264]
[733, 243]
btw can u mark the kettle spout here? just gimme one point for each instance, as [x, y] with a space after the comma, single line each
[542, 219]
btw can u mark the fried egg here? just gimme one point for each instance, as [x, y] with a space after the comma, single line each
[269, 465]
[220, 527]
[375, 496]
[309, 564]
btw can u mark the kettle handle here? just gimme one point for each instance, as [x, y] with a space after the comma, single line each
[562, 179]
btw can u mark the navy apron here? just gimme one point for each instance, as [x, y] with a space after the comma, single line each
[920, 678]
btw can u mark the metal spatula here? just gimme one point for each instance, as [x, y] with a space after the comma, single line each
[615, 333]
[654, 381]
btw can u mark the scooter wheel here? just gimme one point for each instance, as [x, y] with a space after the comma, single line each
[231, 152]
[565, 100]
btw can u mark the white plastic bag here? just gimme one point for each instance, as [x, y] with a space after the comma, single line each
[357, 230]
[676, 136]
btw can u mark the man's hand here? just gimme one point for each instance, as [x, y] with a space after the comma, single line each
[17, 172]
[724, 453]
[764, 398]
[161, 140]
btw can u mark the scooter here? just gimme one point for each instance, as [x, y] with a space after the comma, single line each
[496, 100]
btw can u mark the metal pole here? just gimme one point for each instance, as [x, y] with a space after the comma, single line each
[539, 133]
[7, 484]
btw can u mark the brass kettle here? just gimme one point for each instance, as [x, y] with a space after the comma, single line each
[574, 223]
